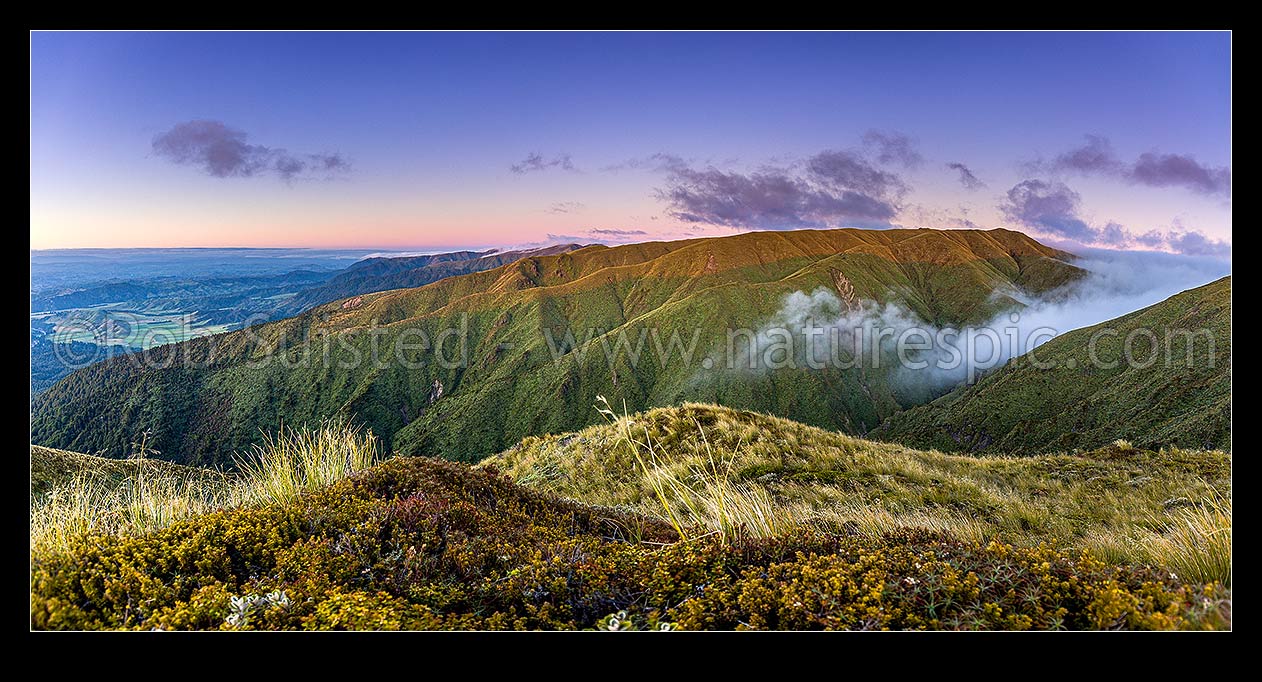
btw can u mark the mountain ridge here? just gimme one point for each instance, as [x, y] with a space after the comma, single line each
[373, 275]
[1074, 404]
[513, 381]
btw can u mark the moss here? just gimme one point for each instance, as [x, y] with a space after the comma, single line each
[422, 544]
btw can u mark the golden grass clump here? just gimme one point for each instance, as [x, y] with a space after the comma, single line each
[294, 461]
[285, 466]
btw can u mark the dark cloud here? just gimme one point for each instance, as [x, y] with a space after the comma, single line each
[1164, 170]
[763, 201]
[330, 162]
[223, 152]
[1153, 239]
[1096, 157]
[1193, 243]
[536, 162]
[889, 147]
[829, 189]
[1115, 235]
[837, 188]
[1052, 208]
[218, 149]
[848, 171]
[567, 207]
[293, 167]
[967, 178]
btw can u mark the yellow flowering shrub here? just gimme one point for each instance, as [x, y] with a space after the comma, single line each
[417, 543]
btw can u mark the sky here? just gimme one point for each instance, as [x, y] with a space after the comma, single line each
[457, 140]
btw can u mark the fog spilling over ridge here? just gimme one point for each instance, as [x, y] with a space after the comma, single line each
[817, 329]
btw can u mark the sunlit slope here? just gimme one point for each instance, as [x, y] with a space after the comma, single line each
[382, 274]
[793, 472]
[1172, 394]
[218, 393]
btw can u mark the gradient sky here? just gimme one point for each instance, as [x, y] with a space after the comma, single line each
[637, 136]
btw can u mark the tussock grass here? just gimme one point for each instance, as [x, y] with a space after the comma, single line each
[717, 469]
[877, 521]
[419, 543]
[1197, 544]
[703, 499]
[147, 501]
[294, 461]
[1192, 541]
[289, 463]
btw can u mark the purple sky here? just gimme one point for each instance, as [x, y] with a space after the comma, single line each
[415, 140]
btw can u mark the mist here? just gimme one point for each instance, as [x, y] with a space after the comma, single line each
[817, 329]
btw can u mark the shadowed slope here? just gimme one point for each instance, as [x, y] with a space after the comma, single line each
[1177, 392]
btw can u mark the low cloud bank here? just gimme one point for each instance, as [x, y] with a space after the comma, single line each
[818, 329]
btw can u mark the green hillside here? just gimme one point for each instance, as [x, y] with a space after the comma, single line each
[208, 397]
[1021, 408]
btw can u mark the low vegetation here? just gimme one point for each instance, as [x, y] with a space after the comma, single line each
[720, 520]
[297, 460]
[419, 543]
[709, 469]
[1197, 545]
[74, 495]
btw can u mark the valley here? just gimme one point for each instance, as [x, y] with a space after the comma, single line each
[632, 331]
[704, 451]
[81, 312]
[512, 361]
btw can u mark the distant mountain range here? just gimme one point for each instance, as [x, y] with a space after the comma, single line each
[382, 274]
[208, 302]
[537, 333]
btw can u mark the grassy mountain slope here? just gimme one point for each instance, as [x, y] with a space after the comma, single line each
[1185, 401]
[764, 467]
[418, 543]
[382, 274]
[216, 395]
[52, 468]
